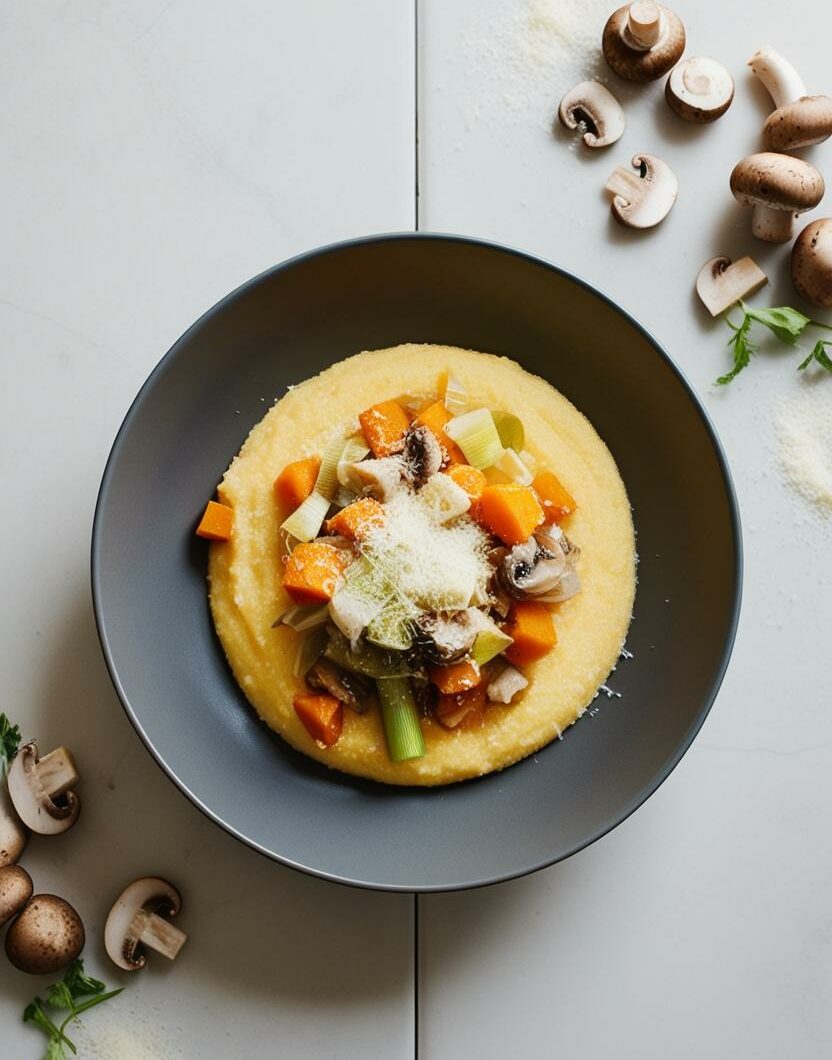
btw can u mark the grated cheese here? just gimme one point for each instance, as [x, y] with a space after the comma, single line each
[805, 444]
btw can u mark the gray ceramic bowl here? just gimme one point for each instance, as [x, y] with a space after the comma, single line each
[148, 569]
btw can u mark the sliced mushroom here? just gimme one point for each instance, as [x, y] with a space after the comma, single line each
[15, 891]
[505, 686]
[446, 637]
[42, 789]
[13, 834]
[422, 456]
[812, 262]
[777, 187]
[643, 40]
[540, 566]
[699, 90]
[594, 110]
[380, 478]
[642, 199]
[799, 120]
[347, 687]
[138, 921]
[47, 936]
[721, 282]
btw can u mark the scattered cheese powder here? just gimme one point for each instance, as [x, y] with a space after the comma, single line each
[804, 430]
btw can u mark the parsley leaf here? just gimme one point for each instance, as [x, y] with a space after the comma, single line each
[9, 740]
[75, 993]
[819, 356]
[742, 348]
[785, 323]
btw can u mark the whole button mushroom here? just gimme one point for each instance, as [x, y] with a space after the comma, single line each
[777, 187]
[812, 262]
[47, 936]
[642, 199]
[799, 120]
[12, 832]
[643, 40]
[138, 921]
[699, 90]
[594, 110]
[15, 891]
[42, 789]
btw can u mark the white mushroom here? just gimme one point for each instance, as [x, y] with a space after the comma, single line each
[777, 187]
[812, 262]
[699, 90]
[47, 936]
[13, 835]
[15, 891]
[42, 789]
[505, 686]
[138, 921]
[643, 40]
[593, 110]
[642, 199]
[721, 282]
[378, 477]
[777, 74]
[799, 120]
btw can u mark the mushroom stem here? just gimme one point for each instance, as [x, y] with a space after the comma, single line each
[644, 25]
[159, 934]
[57, 772]
[625, 183]
[772, 226]
[780, 78]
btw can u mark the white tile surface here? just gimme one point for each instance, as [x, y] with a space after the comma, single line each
[701, 927]
[157, 154]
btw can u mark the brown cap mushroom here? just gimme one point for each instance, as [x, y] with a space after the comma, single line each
[799, 120]
[15, 891]
[12, 833]
[137, 922]
[777, 187]
[721, 282]
[595, 111]
[812, 262]
[643, 40]
[42, 789]
[699, 90]
[47, 936]
[641, 200]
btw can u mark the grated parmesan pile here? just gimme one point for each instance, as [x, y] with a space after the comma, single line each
[805, 443]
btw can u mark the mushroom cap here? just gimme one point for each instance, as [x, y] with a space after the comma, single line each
[15, 891]
[649, 65]
[805, 122]
[594, 107]
[644, 199]
[812, 262]
[46, 937]
[699, 89]
[779, 182]
[13, 834]
[150, 894]
[36, 808]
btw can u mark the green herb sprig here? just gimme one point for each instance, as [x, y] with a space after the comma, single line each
[9, 741]
[75, 993]
[786, 324]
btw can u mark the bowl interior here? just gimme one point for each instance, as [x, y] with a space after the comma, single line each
[149, 573]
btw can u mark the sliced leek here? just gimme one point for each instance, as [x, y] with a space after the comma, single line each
[310, 649]
[301, 618]
[490, 642]
[392, 627]
[327, 480]
[456, 396]
[476, 435]
[366, 658]
[355, 448]
[400, 716]
[304, 523]
[512, 466]
[510, 430]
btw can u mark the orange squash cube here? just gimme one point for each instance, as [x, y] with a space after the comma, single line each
[511, 512]
[558, 503]
[296, 481]
[322, 717]
[312, 571]
[216, 522]
[533, 632]
[357, 519]
[383, 426]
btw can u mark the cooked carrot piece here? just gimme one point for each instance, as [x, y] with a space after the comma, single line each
[531, 626]
[471, 479]
[383, 425]
[296, 481]
[357, 518]
[434, 416]
[557, 501]
[322, 716]
[311, 571]
[512, 512]
[456, 677]
[462, 711]
[216, 522]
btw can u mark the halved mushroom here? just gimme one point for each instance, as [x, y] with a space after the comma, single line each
[47, 936]
[445, 637]
[15, 891]
[643, 40]
[422, 456]
[642, 199]
[799, 120]
[812, 262]
[42, 789]
[699, 90]
[350, 688]
[379, 477]
[505, 686]
[721, 282]
[138, 921]
[13, 834]
[542, 567]
[777, 187]
[594, 110]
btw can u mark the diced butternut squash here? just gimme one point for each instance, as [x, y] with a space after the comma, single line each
[296, 481]
[456, 677]
[469, 478]
[462, 711]
[312, 571]
[434, 416]
[322, 717]
[510, 511]
[216, 522]
[531, 627]
[357, 518]
[383, 426]
[558, 503]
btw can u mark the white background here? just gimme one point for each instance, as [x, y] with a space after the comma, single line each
[158, 153]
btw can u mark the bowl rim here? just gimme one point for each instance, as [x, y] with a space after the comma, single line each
[684, 745]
